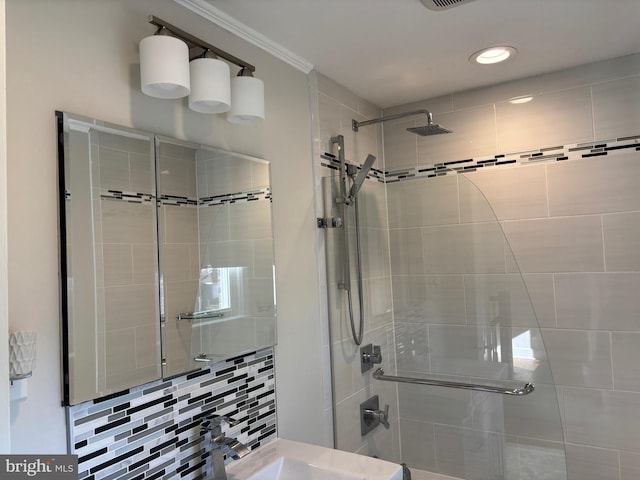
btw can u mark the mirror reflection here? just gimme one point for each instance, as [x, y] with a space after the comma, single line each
[166, 256]
[216, 254]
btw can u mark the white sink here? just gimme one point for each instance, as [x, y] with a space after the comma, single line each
[286, 460]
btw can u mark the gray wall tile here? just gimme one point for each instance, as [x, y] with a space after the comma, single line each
[433, 299]
[406, 251]
[468, 248]
[602, 418]
[540, 459]
[579, 358]
[622, 241]
[503, 297]
[529, 125]
[629, 465]
[557, 244]
[504, 194]
[594, 185]
[588, 463]
[418, 444]
[616, 108]
[626, 358]
[598, 301]
[496, 93]
[412, 205]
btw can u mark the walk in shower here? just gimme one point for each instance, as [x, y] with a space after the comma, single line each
[463, 370]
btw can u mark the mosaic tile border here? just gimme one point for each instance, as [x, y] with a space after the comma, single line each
[131, 197]
[153, 431]
[249, 196]
[577, 151]
[176, 200]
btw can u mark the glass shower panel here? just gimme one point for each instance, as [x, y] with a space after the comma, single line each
[463, 313]
[445, 300]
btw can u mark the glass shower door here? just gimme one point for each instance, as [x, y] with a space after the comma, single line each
[463, 313]
[457, 310]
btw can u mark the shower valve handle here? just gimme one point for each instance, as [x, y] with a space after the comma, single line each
[382, 416]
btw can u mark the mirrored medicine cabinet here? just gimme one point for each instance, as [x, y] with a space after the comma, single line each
[166, 256]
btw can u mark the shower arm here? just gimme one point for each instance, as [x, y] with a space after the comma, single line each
[355, 125]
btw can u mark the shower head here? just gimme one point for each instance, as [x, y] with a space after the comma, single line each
[429, 129]
[362, 174]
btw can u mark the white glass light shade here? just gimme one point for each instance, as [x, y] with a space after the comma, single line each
[210, 86]
[164, 67]
[247, 100]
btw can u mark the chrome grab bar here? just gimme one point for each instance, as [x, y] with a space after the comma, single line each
[528, 388]
[199, 315]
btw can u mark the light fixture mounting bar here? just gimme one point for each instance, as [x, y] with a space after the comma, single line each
[192, 41]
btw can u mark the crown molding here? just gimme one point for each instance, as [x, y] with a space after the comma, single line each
[222, 19]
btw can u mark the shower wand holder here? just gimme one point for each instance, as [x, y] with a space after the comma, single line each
[370, 355]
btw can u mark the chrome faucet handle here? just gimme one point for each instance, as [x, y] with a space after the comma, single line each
[372, 415]
[217, 420]
[213, 423]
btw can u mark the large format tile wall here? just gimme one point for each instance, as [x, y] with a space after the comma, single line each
[570, 209]
[334, 108]
[153, 431]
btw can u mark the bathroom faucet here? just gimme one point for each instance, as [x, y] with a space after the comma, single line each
[221, 445]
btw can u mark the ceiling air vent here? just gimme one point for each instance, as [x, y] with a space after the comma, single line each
[438, 5]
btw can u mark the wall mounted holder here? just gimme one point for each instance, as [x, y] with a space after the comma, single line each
[369, 356]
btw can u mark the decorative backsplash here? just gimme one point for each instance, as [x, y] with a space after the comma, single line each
[153, 431]
[547, 154]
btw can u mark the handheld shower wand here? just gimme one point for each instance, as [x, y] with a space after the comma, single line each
[347, 198]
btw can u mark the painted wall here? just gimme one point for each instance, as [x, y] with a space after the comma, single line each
[82, 57]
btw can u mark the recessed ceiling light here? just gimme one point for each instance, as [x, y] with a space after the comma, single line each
[490, 55]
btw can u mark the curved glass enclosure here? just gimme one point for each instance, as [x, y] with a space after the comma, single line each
[445, 301]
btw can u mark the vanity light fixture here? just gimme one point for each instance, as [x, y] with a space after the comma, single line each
[174, 64]
[210, 84]
[491, 55]
[247, 98]
[164, 65]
